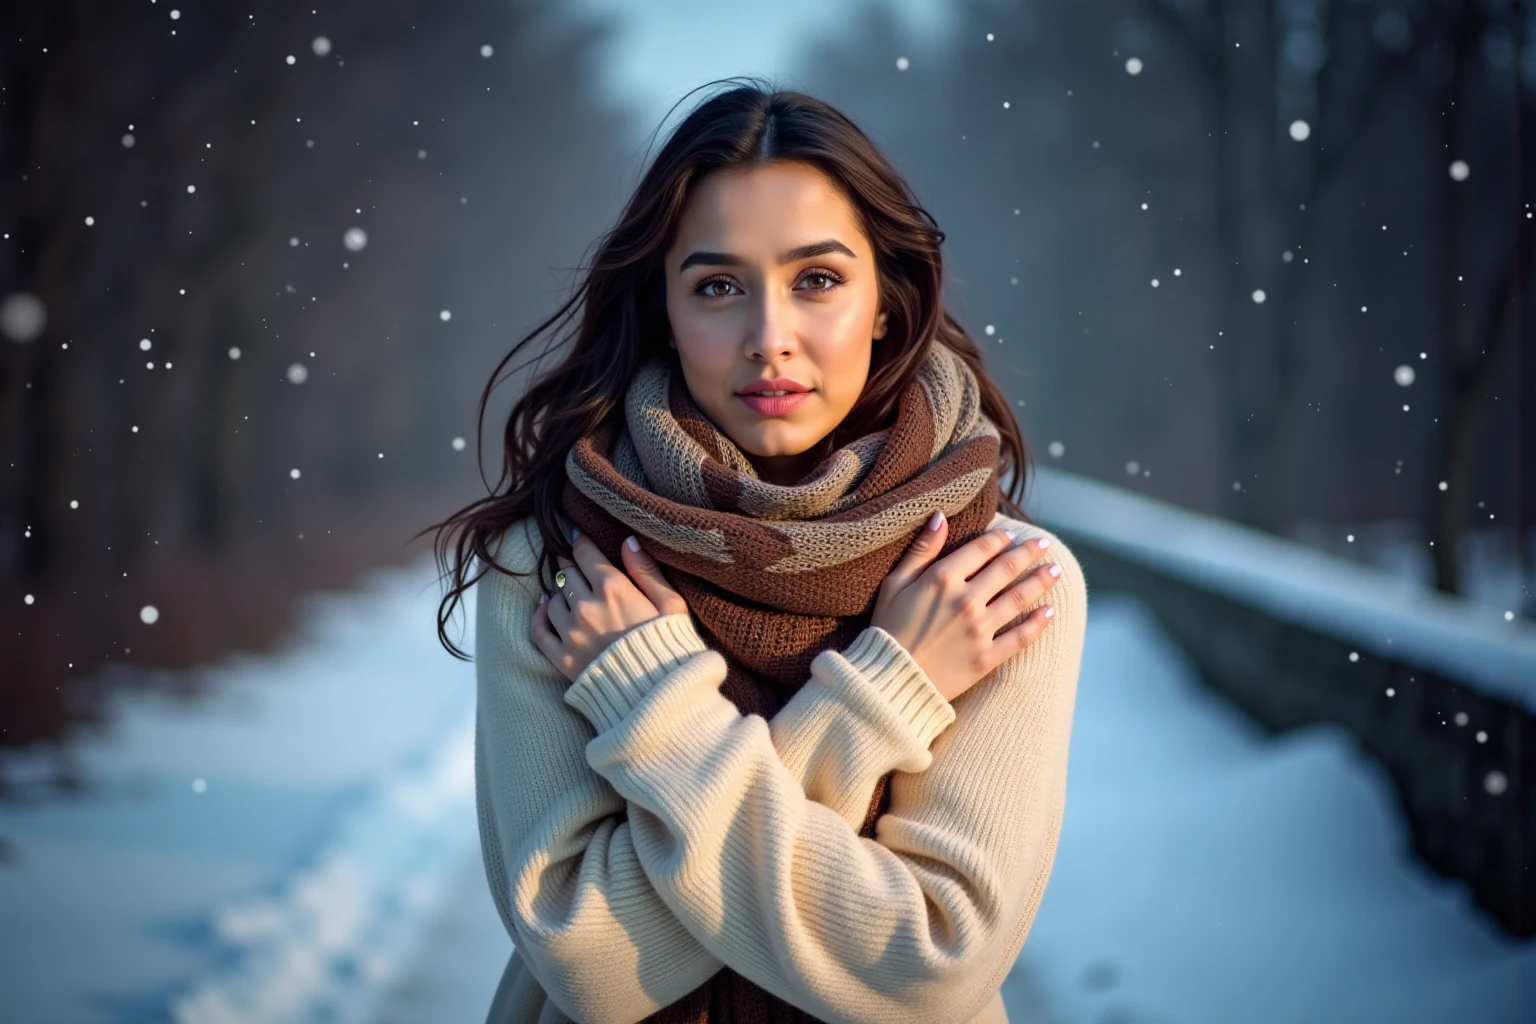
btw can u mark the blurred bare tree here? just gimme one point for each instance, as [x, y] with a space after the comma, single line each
[240, 245]
[1214, 238]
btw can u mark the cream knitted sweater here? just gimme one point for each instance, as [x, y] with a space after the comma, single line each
[639, 832]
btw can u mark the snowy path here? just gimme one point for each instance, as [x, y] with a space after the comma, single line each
[329, 868]
[1207, 874]
[265, 854]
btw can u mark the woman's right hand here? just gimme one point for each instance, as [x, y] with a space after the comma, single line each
[944, 612]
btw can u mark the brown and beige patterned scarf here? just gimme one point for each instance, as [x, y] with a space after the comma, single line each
[776, 574]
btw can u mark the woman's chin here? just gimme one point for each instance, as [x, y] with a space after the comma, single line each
[771, 444]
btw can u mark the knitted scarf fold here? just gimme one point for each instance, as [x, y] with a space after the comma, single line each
[774, 575]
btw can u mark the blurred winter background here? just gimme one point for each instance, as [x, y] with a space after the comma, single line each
[1257, 273]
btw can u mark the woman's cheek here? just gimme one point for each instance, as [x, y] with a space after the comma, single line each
[846, 383]
[707, 370]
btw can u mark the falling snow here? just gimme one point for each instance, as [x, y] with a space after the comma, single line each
[22, 316]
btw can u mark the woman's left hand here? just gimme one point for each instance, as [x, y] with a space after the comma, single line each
[599, 604]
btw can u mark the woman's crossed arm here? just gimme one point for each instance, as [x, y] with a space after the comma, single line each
[557, 844]
[706, 831]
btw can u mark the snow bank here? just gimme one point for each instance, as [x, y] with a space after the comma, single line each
[265, 852]
[343, 927]
[1208, 873]
[1396, 618]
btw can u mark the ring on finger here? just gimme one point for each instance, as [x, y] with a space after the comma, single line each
[562, 585]
[565, 582]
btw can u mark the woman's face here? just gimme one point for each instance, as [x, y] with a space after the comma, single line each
[770, 276]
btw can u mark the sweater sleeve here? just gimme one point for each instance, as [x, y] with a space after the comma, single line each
[555, 836]
[920, 924]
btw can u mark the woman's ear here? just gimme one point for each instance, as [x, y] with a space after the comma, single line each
[880, 326]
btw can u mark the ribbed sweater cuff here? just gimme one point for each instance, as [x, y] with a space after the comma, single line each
[893, 672]
[611, 686]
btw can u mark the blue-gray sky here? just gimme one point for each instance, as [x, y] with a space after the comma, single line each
[663, 49]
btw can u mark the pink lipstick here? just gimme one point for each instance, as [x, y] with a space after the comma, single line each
[773, 396]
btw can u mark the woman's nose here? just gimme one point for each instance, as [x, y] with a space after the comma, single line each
[774, 333]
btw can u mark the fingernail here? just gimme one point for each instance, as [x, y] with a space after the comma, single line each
[543, 598]
[1054, 570]
[575, 533]
[1041, 542]
[935, 520]
[1049, 611]
[632, 543]
[1014, 535]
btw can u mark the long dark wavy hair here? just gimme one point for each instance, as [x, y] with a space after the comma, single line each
[619, 312]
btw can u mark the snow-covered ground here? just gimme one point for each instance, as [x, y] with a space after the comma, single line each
[1210, 874]
[263, 854]
[326, 866]
[1207, 874]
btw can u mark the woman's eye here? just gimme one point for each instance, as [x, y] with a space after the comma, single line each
[703, 287]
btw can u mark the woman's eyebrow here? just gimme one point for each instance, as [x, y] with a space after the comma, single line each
[804, 252]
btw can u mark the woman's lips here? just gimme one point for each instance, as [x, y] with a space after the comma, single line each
[775, 405]
[773, 396]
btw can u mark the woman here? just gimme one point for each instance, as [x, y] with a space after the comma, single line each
[773, 714]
